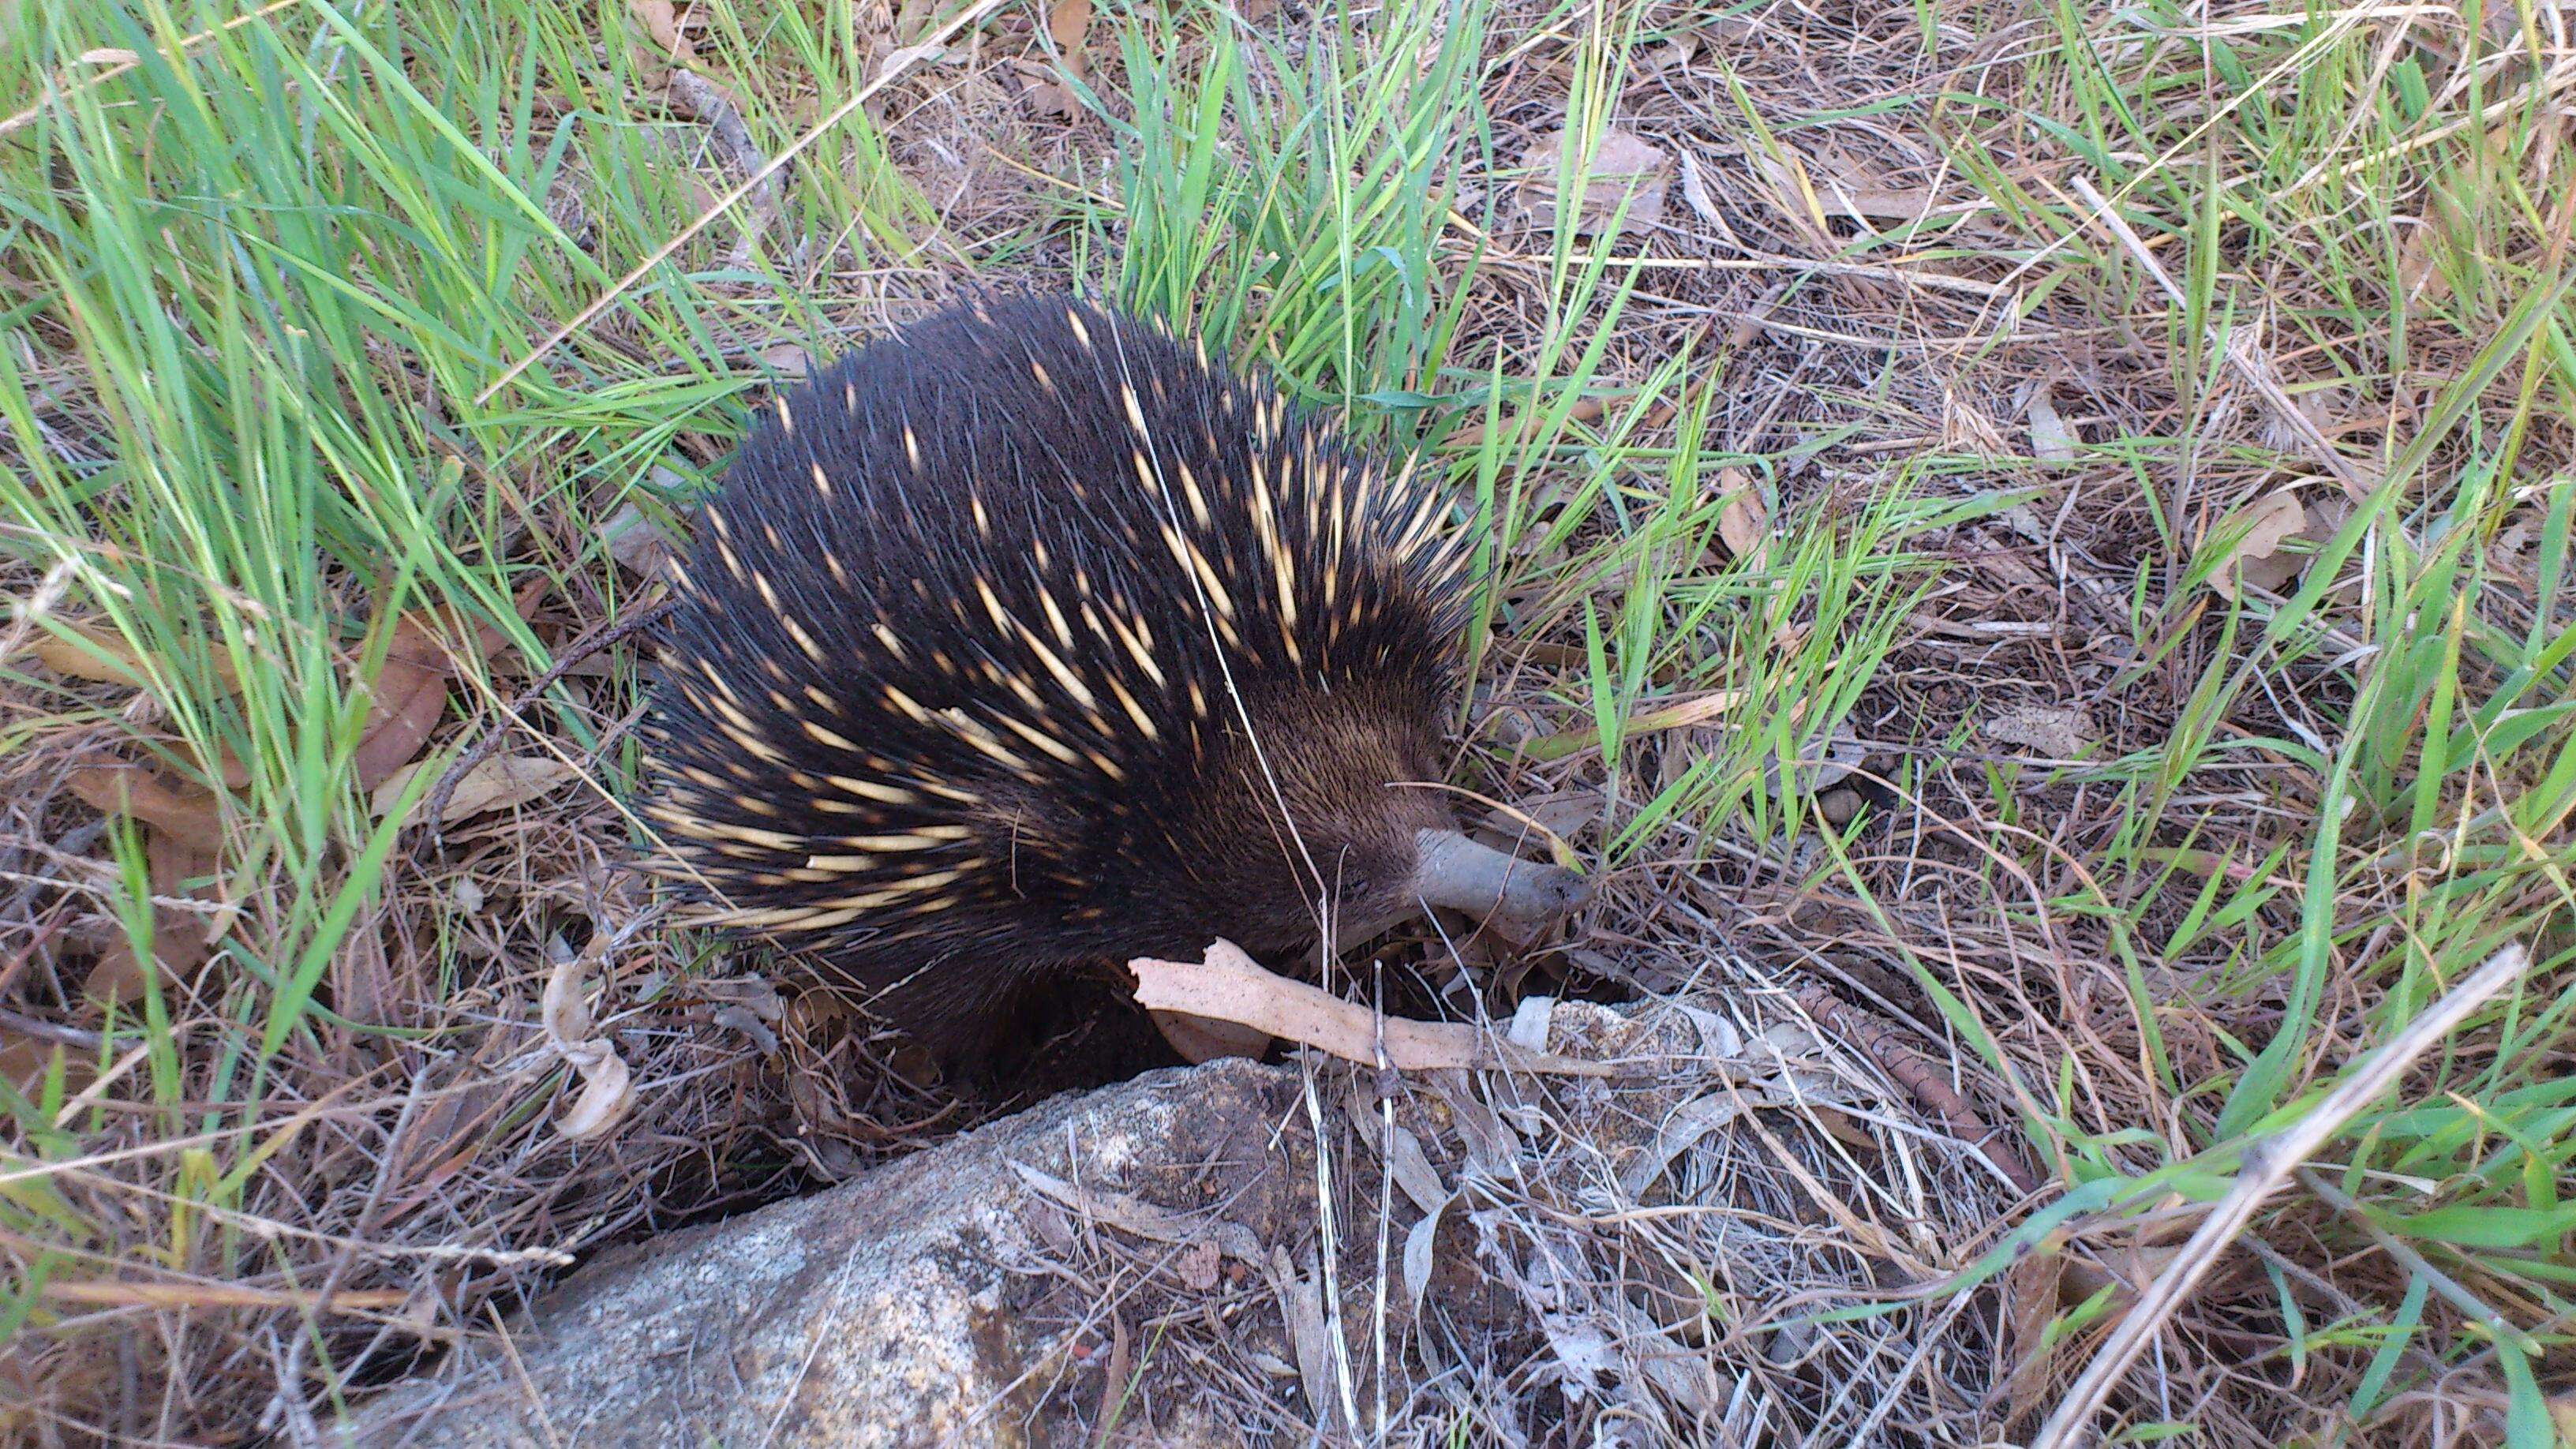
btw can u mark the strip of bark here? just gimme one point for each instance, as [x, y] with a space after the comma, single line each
[1231, 986]
[1921, 1076]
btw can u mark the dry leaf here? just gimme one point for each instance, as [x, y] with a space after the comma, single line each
[2056, 732]
[1743, 520]
[2421, 282]
[181, 941]
[408, 702]
[1200, 1040]
[116, 979]
[100, 653]
[1623, 170]
[186, 813]
[1821, 764]
[607, 1093]
[2051, 440]
[1418, 1243]
[2319, 520]
[787, 359]
[1301, 1308]
[1198, 1264]
[24, 1061]
[1130, 1214]
[1525, 427]
[742, 1019]
[1695, 190]
[1849, 193]
[1230, 986]
[496, 784]
[637, 543]
[661, 21]
[561, 1009]
[1554, 815]
[1684, 714]
[1051, 100]
[410, 691]
[504, 781]
[1068, 22]
[2267, 525]
[2030, 1292]
[752, 993]
[1796, 197]
[1813, 189]
[608, 1090]
[1673, 54]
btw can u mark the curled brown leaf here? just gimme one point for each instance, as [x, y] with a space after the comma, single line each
[88, 650]
[187, 813]
[1743, 520]
[1068, 22]
[608, 1089]
[2266, 526]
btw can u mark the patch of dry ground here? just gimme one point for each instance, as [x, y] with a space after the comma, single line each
[413, 1189]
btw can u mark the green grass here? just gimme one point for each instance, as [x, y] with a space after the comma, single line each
[248, 299]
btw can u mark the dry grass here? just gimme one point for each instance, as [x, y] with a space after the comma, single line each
[2141, 872]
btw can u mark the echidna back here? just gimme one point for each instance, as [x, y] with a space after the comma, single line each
[980, 638]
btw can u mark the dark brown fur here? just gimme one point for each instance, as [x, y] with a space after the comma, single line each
[983, 674]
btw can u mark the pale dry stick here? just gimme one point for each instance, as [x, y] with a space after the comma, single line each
[2256, 375]
[536, 1400]
[895, 65]
[28, 115]
[1226, 985]
[1328, 1227]
[2267, 1164]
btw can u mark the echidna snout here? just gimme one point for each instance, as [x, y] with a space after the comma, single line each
[1029, 640]
[1454, 871]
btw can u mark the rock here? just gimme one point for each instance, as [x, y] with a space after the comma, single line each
[887, 1311]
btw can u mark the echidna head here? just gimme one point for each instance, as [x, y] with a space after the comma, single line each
[1372, 843]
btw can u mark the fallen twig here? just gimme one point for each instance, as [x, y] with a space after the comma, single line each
[1231, 986]
[579, 650]
[714, 105]
[1919, 1075]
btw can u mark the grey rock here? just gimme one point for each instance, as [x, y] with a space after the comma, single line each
[886, 1311]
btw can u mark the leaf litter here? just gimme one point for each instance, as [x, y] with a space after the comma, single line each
[1891, 1215]
[1621, 187]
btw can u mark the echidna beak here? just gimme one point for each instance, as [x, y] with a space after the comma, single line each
[1521, 896]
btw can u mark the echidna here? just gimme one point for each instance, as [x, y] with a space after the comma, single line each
[1028, 641]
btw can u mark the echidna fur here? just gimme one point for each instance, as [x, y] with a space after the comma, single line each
[1027, 640]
